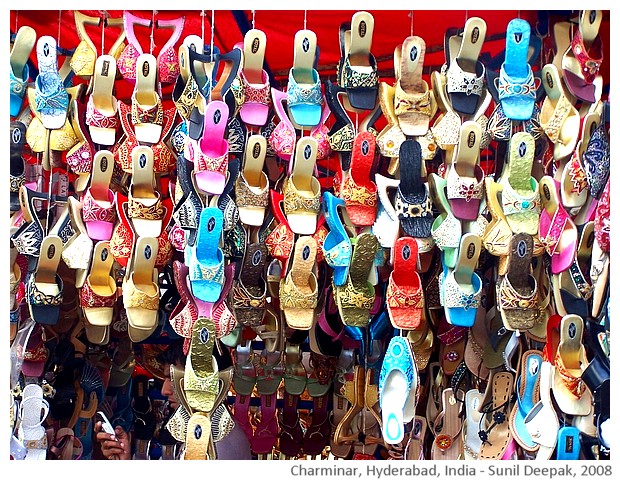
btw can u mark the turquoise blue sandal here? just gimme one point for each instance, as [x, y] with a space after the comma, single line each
[206, 260]
[527, 396]
[52, 100]
[337, 245]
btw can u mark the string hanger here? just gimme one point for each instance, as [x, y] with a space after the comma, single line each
[105, 15]
[153, 31]
[16, 20]
[305, 19]
[253, 18]
[59, 23]
[411, 16]
[202, 14]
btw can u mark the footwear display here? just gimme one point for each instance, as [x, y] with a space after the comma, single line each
[310, 235]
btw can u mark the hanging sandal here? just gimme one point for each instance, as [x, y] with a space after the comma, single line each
[147, 113]
[98, 210]
[51, 98]
[20, 73]
[337, 245]
[304, 96]
[102, 107]
[249, 291]
[44, 287]
[145, 209]
[252, 185]
[447, 427]
[98, 294]
[201, 374]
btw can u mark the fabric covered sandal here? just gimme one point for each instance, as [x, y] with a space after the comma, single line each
[358, 190]
[595, 158]
[462, 287]
[269, 376]
[201, 374]
[465, 73]
[517, 294]
[390, 138]
[144, 209]
[357, 70]
[147, 113]
[98, 294]
[98, 210]
[206, 260]
[471, 440]
[413, 204]
[405, 298]
[254, 79]
[33, 411]
[447, 427]
[51, 98]
[304, 96]
[520, 194]
[44, 287]
[252, 185]
[558, 117]
[337, 245]
[446, 229]
[302, 191]
[298, 291]
[414, 103]
[493, 427]
[20, 73]
[102, 107]
[249, 291]
[356, 297]
[141, 289]
[516, 85]
[556, 230]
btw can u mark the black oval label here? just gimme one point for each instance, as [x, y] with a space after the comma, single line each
[590, 240]
[572, 330]
[307, 152]
[471, 139]
[104, 164]
[211, 224]
[146, 69]
[549, 79]
[475, 35]
[142, 160]
[16, 135]
[305, 44]
[255, 45]
[104, 254]
[362, 29]
[105, 68]
[413, 53]
[471, 250]
[365, 147]
[592, 16]
[518, 37]
[416, 428]
[534, 366]
[51, 251]
[46, 50]
[522, 149]
[182, 58]
[257, 257]
[204, 335]
[147, 252]
[305, 253]
[546, 192]
[406, 252]
[256, 150]
[521, 248]
[217, 116]
[198, 432]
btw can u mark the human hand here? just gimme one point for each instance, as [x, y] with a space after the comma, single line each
[113, 447]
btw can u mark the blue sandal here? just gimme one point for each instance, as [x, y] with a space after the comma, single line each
[337, 245]
[52, 100]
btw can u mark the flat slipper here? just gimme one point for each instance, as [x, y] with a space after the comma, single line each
[405, 298]
[298, 291]
[516, 84]
[517, 294]
[447, 427]
[556, 230]
[20, 73]
[44, 287]
[98, 209]
[493, 427]
[98, 294]
[147, 113]
[471, 441]
[303, 94]
[254, 79]
[51, 97]
[414, 102]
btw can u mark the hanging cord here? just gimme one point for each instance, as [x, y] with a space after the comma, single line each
[211, 52]
[202, 14]
[305, 19]
[16, 20]
[106, 15]
[253, 18]
[153, 32]
[411, 15]
[59, 23]
[466, 15]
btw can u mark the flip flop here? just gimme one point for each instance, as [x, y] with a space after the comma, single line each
[356, 297]
[398, 389]
[465, 177]
[493, 427]
[269, 377]
[298, 291]
[210, 154]
[147, 113]
[471, 441]
[527, 396]
[517, 294]
[303, 95]
[516, 84]
[51, 98]
[98, 210]
[357, 72]
[206, 260]
[556, 230]
[387, 226]
[254, 79]
[448, 426]
[144, 208]
[520, 195]
[414, 103]
[252, 185]
[337, 245]
[44, 287]
[570, 392]
[141, 289]
[446, 229]
[582, 60]
[465, 74]
[102, 107]
[358, 190]
[462, 287]
[201, 373]
[302, 191]
[558, 117]
[20, 73]
[249, 291]
[413, 204]
[98, 294]
[405, 298]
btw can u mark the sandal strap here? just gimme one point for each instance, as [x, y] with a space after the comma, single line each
[90, 299]
[136, 209]
[351, 297]
[407, 209]
[257, 93]
[398, 297]
[92, 211]
[291, 297]
[353, 79]
[153, 115]
[353, 194]
[577, 174]
[455, 297]
[589, 65]
[514, 202]
[465, 187]
[460, 81]
[447, 233]
[246, 197]
[508, 86]
[297, 95]
[37, 297]
[575, 385]
[558, 224]
[421, 103]
[135, 298]
[560, 114]
[95, 118]
[294, 202]
[204, 163]
[510, 299]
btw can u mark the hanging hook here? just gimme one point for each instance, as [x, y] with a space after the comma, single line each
[153, 31]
